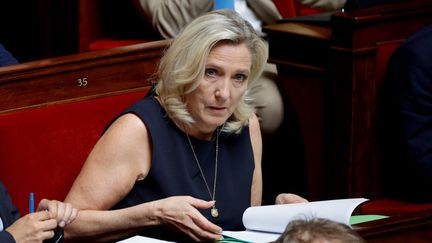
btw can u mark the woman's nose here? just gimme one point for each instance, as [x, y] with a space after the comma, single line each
[222, 90]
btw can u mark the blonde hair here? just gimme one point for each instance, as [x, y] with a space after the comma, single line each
[184, 63]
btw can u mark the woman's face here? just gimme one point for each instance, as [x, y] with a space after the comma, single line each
[225, 80]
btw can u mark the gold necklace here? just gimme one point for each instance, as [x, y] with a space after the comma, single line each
[214, 212]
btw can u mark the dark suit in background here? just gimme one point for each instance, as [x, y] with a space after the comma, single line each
[5, 57]
[8, 214]
[407, 120]
[359, 4]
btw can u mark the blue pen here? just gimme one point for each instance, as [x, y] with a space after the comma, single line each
[31, 203]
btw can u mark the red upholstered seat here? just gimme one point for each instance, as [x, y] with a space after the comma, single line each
[108, 24]
[293, 8]
[43, 149]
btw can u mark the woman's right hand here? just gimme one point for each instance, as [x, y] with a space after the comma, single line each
[182, 213]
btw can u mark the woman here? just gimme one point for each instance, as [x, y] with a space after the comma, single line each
[184, 162]
[169, 17]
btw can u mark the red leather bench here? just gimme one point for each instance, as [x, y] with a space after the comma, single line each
[42, 149]
[53, 111]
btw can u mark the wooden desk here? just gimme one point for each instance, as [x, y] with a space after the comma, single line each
[333, 76]
[412, 227]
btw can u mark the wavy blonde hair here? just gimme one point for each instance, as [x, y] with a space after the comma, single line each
[183, 63]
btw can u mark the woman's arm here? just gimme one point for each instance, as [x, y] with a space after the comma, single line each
[329, 5]
[256, 193]
[255, 134]
[120, 158]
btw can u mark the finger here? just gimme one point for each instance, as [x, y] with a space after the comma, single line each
[202, 222]
[51, 207]
[43, 205]
[201, 204]
[206, 229]
[189, 231]
[46, 235]
[286, 198]
[73, 216]
[57, 210]
[48, 225]
[297, 199]
[62, 218]
[41, 215]
[205, 224]
[62, 213]
[195, 232]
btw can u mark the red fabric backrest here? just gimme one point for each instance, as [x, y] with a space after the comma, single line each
[384, 52]
[43, 149]
[293, 8]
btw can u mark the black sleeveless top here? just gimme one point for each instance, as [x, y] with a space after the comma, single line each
[174, 170]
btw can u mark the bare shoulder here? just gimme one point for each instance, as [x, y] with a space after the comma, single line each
[127, 126]
[121, 157]
[128, 136]
[129, 120]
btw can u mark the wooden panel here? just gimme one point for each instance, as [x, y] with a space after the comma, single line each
[78, 76]
[332, 76]
[300, 52]
[359, 40]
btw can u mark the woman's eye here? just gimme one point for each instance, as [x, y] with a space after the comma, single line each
[210, 72]
[240, 77]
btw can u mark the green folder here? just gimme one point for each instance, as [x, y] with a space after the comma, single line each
[230, 240]
[357, 219]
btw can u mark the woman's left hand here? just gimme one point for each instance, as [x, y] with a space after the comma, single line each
[285, 198]
[64, 213]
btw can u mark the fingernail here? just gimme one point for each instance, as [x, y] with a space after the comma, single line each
[62, 224]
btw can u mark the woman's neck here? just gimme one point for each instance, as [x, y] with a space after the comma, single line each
[193, 130]
[196, 132]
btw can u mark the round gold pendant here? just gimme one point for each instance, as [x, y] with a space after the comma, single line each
[214, 212]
